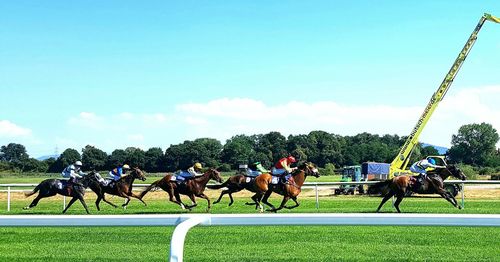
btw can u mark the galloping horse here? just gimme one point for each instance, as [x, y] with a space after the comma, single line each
[399, 185]
[289, 190]
[235, 184]
[52, 187]
[122, 188]
[191, 188]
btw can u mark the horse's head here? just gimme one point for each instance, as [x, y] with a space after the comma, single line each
[91, 177]
[456, 172]
[214, 174]
[138, 174]
[309, 169]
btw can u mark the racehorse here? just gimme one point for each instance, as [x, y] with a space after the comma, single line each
[235, 184]
[121, 188]
[191, 188]
[53, 186]
[290, 190]
[399, 186]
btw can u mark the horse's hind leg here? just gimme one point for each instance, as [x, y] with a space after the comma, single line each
[37, 199]
[386, 197]
[69, 204]
[107, 201]
[193, 200]
[80, 197]
[227, 191]
[296, 203]
[398, 201]
[138, 197]
[285, 199]
[265, 198]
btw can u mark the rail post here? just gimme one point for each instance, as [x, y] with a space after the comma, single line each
[8, 199]
[463, 195]
[179, 235]
[64, 202]
[317, 196]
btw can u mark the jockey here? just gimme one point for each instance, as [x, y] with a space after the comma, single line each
[421, 166]
[118, 172]
[73, 172]
[282, 168]
[255, 170]
[194, 171]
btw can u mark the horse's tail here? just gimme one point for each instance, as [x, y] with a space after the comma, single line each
[379, 187]
[32, 192]
[149, 188]
[218, 186]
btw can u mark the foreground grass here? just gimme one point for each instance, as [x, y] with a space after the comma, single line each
[293, 243]
[259, 243]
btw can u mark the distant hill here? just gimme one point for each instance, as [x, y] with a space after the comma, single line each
[47, 157]
[440, 149]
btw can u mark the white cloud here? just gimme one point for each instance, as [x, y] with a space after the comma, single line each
[11, 130]
[226, 117]
[223, 118]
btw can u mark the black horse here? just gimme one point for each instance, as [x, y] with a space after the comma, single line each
[121, 188]
[52, 187]
[433, 184]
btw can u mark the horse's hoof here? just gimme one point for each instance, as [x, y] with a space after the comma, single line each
[26, 208]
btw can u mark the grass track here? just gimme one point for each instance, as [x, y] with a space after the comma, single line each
[264, 243]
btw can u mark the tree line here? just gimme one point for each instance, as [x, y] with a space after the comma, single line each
[474, 144]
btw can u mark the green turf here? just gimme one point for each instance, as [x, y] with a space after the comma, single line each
[33, 179]
[259, 243]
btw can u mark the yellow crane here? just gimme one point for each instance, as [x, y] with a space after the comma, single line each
[400, 162]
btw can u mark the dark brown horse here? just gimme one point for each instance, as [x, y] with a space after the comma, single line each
[398, 186]
[52, 187]
[289, 190]
[235, 184]
[121, 188]
[192, 188]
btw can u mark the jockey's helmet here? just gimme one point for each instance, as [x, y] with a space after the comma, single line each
[78, 163]
[198, 166]
[126, 166]
[291, 159]
[431, 160]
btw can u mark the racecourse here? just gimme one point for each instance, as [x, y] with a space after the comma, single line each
[269, 243]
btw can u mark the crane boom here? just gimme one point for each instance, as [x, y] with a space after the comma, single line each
[400, 162]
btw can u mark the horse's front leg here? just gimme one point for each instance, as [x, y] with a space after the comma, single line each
[283, 203]
[80, 197]
[386, 197]
[208, 200]
[446, 195]
[69, 204]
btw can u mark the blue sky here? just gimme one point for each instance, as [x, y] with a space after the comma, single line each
[128, 73]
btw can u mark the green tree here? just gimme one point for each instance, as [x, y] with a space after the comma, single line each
[238, 149]
[204, 150]
[136, 157]
[94, 158]
[117, 157]
[13, 153]
[473, 144]
[273, 145]
[69, 156]
[155, 161]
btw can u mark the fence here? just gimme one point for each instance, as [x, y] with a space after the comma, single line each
[185, 222]
[314, 186]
